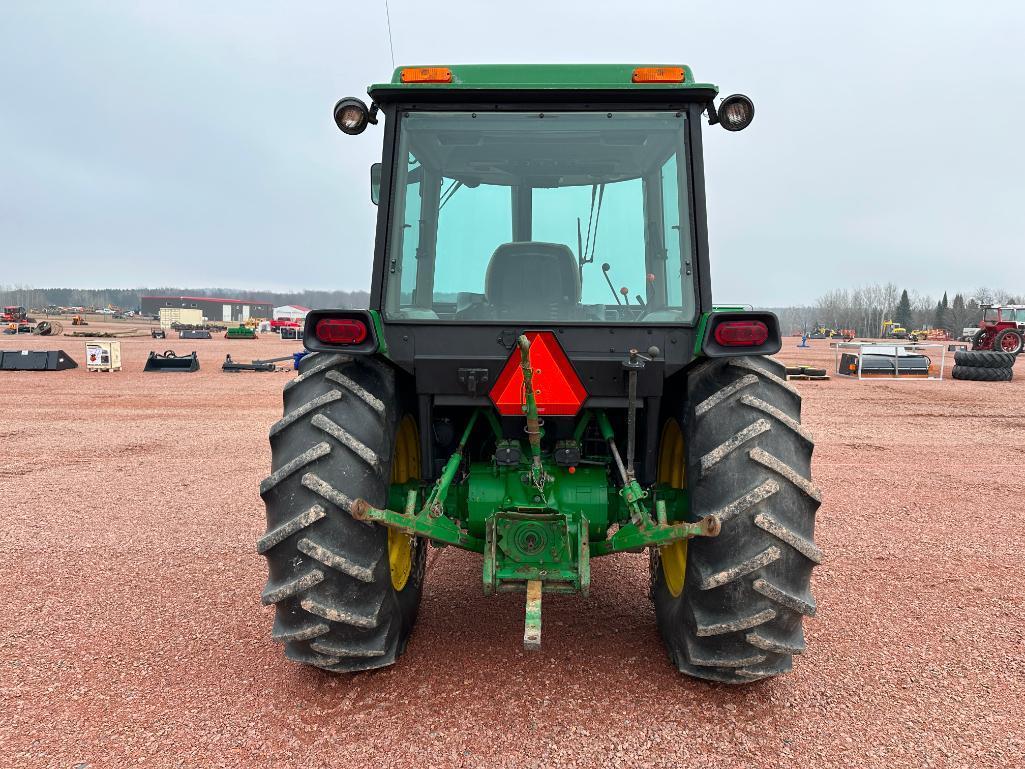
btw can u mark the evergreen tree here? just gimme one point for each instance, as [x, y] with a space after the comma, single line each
[902, 315]
[942, 315]
[959, 314]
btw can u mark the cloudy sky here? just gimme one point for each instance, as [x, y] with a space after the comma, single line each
[191, 143]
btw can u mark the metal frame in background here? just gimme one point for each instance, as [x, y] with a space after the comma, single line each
[861, 347]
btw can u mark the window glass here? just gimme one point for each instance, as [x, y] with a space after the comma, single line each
[572, 216]
[472, 223]
[614, 236]
[410, 230]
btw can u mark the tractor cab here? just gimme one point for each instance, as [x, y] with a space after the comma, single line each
[564, 198]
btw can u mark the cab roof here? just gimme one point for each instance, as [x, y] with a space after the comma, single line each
[543, 79]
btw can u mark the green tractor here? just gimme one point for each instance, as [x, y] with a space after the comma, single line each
[542, 379]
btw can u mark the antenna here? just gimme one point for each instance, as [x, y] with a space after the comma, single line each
[391, 45]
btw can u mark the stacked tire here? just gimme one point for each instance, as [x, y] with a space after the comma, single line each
[983, 366]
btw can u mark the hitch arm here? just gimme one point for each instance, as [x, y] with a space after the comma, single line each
[429, 521]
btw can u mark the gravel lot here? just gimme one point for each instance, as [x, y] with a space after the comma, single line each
[132, 632]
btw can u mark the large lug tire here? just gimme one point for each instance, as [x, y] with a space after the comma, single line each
[972, 374]
[737, 617]
[330, 576]
[1009, 340]
[983, 359]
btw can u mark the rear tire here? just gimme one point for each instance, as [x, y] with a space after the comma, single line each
[984, 359]
[972, 374]
[1009, 340]
[330, 579]
[738, 615]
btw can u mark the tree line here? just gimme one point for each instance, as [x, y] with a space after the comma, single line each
[130, 299]
[864, 309]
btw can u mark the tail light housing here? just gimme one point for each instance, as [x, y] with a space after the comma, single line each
[350, 331]
[739, 332]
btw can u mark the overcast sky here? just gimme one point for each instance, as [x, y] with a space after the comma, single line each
[191, 143]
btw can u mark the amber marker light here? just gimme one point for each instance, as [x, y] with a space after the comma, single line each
[426, 75]
[658, 75]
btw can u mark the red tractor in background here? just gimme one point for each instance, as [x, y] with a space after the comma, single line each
[1002, 328]
[14, 314]
[16, 321]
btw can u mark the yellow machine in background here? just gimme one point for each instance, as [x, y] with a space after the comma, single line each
[892, 330]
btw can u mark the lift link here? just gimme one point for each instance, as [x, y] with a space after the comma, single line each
[533, 429]
[430, 521]
[632, 493]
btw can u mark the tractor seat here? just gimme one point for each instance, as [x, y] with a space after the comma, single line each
[531, 279]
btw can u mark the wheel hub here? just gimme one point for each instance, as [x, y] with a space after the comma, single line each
[405, 466]
[671, 471]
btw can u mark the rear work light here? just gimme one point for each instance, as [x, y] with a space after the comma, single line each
[658, 75]
[426, 75]
[340, 331]
[741, 333]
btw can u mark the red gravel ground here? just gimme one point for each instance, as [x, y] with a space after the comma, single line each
[131, 631]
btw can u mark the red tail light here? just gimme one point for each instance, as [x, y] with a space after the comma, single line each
[741, 333]
[340, 331]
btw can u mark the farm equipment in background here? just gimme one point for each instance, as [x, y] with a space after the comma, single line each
[512, 401]
[16, 320]
[823, 332]
[48, 328]
[187, 333]
[176, 326]
[36, 360]
[1002, 328]
[78, 320]
[16, 315]
[286, 329]
[257, 365]
[240, 332]
[892, 330]
[881, 361]
[931, 335]
[169, 362]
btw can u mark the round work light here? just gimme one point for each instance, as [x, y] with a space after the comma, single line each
[736, 112]
[351, 116]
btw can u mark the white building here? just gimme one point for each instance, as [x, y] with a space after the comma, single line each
[295, 312]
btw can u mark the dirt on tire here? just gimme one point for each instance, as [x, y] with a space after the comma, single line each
[739, 617]
[329, 579]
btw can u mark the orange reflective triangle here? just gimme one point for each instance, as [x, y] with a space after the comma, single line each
[557, 388]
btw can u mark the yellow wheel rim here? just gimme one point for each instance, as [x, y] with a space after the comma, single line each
[672, 472]
[405, 465]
